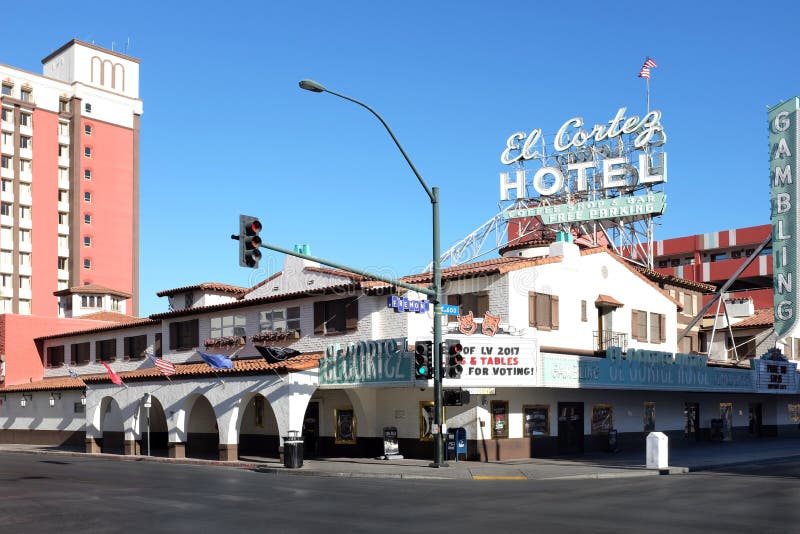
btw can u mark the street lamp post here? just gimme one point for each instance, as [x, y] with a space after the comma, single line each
[433, 194]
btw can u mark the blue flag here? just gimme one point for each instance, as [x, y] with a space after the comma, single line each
[216, 361]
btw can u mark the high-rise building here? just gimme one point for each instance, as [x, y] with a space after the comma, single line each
[69, 201]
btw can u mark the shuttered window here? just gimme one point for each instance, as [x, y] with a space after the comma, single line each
[477, 303]
[336, 316]
[658, 328]
[543, 311]
[639, 325]
[184, 335]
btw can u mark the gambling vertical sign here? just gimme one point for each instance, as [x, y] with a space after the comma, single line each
[784, 163]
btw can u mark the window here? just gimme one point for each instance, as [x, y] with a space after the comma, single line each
[7, 89]
[63, 241]
[115, 304]
[24, 212]
[345, 431]
[135, 347]
[7, 186]
[24, 189]
[188, 299]
[25, 142]
[63, 129]
[63, 218]
[639, 325]
[536, 420]
[6, 234]
[157, 345]
[688, 304]
[55, 356]
[499, 413]
[227, 326]
[25, 166]
[662, 264]
[63, 106]
[87, 129]
[63, 195]
[649, 417]
[184, 335]
[258, 411]
[24, 259]
[477, 303]
[105, 350]
[6, 257]
[5, 305]
[91, 301]
[5, 280]
[24, 307]
[543, 311]
[62, 263]
[63, 152]
[87, 151]
[87, 263]
[87, 107]
[25, 119]
[602, 418]
[87, 174]
[80, 353]
[280, 320]
[658, 328]
[745, 348]
[25, 95]
[87, 241]
[24, 282]
[5, 162]
[584, 315]
[87, 196]
[87, 219]
[5, 208]
[24, 235]
[336, 316]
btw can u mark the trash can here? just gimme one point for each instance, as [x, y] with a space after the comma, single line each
[293, 451]
[613, 442]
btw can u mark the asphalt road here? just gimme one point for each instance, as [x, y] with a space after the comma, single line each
[46, 493]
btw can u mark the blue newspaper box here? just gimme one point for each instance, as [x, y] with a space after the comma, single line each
[456, 443]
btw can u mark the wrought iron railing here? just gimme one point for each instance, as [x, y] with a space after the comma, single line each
[604, 339]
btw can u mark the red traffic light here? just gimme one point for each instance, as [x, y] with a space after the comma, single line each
[254, 228]
[456, 348]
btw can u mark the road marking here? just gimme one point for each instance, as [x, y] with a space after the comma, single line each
[499, 477]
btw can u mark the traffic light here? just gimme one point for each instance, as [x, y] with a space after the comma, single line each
[455, 359]
[249, 227]
[423, 360]
[455, 397]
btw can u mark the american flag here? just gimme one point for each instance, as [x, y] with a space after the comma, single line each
[644, 72]
[166, 368]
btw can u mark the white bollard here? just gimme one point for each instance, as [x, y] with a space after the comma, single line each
[657, 451]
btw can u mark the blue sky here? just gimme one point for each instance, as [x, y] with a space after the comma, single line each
[226, 130]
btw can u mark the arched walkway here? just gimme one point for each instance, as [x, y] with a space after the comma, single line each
[258, 429]
[112, 427]
[202, 431]
[158, 432]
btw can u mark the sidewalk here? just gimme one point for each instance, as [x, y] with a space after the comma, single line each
[700, 457]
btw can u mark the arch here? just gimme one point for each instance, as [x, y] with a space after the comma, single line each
[202, 429]
[118, 67]
[99, 63]
[257, 427]
[111, 422]
[107, 72]
[157, 430]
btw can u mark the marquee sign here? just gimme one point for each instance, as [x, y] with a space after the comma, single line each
[379, 362]
[652, 203]
[643, 369]
[785, 190]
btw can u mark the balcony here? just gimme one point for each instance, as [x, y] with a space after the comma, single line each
[604, 339]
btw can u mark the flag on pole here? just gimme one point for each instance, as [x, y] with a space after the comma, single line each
[276, 354]
[216, 361]
[71, 371]
[644, 72]
[167, 368]
[113, 376]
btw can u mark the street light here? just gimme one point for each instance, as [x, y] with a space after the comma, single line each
[433, 194]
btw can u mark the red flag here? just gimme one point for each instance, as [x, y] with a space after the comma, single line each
[114, 376]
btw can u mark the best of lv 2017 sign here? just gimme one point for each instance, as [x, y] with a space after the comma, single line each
[384, 361]
[783, 166]
[497, 361]
[550, 180]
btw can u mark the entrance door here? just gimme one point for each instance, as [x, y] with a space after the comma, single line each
[311, 430]
[691, 416]
[570, 427]
[755, 420]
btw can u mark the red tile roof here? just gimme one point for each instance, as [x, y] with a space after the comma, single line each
[674, 280]
[187, 370]
[607, 301]
[760, 319]
[91, 289]
[96, 329]
[207, 286]
[493, 266]
[112, 317]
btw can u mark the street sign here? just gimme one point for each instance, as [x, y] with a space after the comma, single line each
[449, 309]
